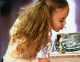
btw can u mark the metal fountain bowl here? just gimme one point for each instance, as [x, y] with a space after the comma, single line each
[70, 42]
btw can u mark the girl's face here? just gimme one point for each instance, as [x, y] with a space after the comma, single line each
[58, 18]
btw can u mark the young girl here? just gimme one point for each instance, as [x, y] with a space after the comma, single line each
[29, 33]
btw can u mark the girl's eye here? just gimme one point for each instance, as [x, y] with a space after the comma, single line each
[61, 20]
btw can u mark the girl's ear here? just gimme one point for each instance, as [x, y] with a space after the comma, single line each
[49, 26]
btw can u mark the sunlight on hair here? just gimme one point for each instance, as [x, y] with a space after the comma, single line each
[70, 26]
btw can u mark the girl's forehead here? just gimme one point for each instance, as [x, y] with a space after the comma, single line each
[60, 13]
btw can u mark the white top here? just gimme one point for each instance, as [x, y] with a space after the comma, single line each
[45, 52]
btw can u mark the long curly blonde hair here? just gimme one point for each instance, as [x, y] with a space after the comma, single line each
[31, 28]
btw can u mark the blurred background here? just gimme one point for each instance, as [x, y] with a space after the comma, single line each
[9, 11]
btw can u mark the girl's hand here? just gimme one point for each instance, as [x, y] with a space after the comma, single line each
[44, 60]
